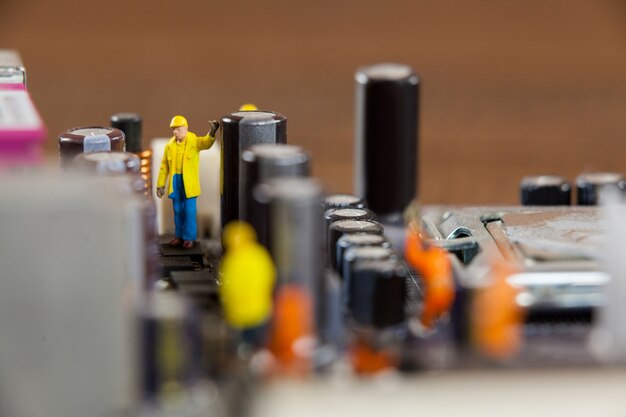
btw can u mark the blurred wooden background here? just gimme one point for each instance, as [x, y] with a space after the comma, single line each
[509, 87]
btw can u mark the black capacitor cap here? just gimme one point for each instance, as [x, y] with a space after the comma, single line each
[262, 162]
[352, 256]
[130, 124]
[337, 214]
[342, 227]
[357, 240]
[343, 201]
[378, 293]
[545, 190]
[588, 186]
[333, 215]
[386, 136]
[239, 131]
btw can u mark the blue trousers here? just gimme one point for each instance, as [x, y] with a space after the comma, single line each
[184, 210]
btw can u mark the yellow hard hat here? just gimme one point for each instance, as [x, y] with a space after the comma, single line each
[178, 121]
[248, 107]
[237, 232]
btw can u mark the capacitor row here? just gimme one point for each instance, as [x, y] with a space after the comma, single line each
[373, 278]
[553, 190]
[294, 221]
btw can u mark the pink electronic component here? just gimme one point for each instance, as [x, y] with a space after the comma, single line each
[21, 128]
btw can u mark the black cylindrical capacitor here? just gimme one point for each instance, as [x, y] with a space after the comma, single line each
[130, 124]
[343, 201]
[334, 215]
[338, 214]
[241, 130]
[386, 136]
[356, 241]
[346, 268]
[295, 224]
[378, 293]
[588, 186]
[294, 207]
[259, 164]
[87, 140]
[343, 227]
[545, 190]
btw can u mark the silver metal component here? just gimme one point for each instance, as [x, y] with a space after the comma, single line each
[557, 249]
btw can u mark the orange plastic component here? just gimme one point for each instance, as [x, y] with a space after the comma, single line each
[367, 361]
[291, 340]
[496, 318]
[434, 267]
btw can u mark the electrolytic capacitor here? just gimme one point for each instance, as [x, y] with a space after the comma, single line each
[294, 213]
[589, 186]
[343, 201]
[295, 224]
[343, 227]
[545, 190]
[386, 136]
[87, 140]
[333, 215]
[241, 130]
[259, 164]
[356, 241]
[378, 293]
[130, 124]
[352, 256]
[338, 214]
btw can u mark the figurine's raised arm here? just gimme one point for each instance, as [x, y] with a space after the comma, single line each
[205, 142]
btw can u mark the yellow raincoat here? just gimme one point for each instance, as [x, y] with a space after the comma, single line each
[191, 173]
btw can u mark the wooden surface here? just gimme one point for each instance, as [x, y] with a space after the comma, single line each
[509, 88]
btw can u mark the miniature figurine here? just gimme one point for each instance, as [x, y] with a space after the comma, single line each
[247, 276]
[181, 165]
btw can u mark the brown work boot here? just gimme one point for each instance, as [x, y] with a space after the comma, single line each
[176, 242]
[187, 244]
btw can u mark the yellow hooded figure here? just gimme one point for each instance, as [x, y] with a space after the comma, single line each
[247, 276]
